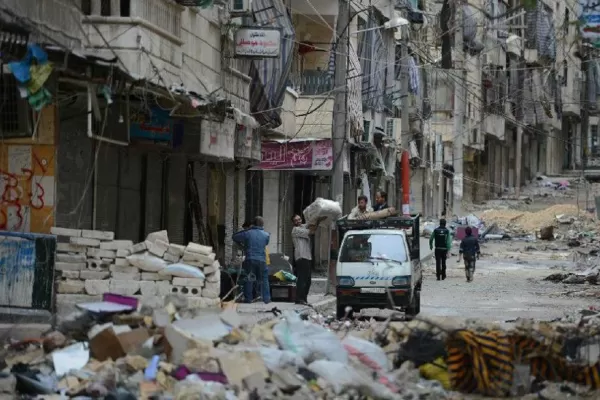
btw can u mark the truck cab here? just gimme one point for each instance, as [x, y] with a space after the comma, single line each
[379, 265]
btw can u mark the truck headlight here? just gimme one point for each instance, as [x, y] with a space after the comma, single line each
[400, 281]
[345, 281]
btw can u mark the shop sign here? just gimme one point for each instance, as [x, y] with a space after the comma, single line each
[258, 42]
[217, 139]
[316, 155]
[154, 124]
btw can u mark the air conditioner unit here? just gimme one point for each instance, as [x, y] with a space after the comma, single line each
[240, 7]
[393, 128]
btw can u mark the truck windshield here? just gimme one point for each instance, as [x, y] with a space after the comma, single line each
[366, 247]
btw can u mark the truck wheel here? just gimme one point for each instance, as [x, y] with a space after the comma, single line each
[340, 312]
[415, 305]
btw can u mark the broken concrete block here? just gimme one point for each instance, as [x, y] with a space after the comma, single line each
[71, 286]
[211, 290]
[61, 266]
[215, 286]
[100, 235]
[199, 249]
[117, 245]
[159, 235]
[125, 276]
[123, 252]
[124, 270]
[95, 264]
[176, 249]
[55, 230]
[94, 275]
[213, 278]
[70, 248]
[148, 288]
[99, 253]
[138, 248]
[215, 267]
[81, 241]
[188, 282]
[168, 257]
[202, 258]
[69, 274]
[97, 287]
[122, 262]
[154, 276]
[158, 247]
[187, 291]
[163, 288]
[71, 258]
[124, 287]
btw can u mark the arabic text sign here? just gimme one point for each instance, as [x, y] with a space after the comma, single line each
[257, 42]
[154, 125]
[308, 155]
[590, 20]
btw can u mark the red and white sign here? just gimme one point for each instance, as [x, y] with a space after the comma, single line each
[314, 155]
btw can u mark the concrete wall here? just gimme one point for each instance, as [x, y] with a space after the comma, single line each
[271, 202]
[317, 124]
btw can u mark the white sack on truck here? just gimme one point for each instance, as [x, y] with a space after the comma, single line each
[381, 214]
[322, 208]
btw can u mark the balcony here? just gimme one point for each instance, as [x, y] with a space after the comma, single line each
[57, 21]
[312, 82]
[288, 118]
[571, 97]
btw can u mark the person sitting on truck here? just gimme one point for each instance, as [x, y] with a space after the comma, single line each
[469, 251]
[380, 201]
[442, 238]
[361, 209]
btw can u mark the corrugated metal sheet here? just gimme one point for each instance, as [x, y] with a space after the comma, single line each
[154, 193]
[176, 195]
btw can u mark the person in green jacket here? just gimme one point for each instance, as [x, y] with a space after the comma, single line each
[442, 239]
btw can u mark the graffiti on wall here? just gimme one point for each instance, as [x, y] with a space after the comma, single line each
[27, 188]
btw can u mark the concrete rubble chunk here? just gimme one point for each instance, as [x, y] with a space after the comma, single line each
[99, 253]
[97, 287]
[163, 288]
[148, 288]
[96, 264]
[159, 235]
[55, 230]
[124, 269]
[138, 248]
[187, 290]
[202, 258]
[81, 241]
[69, 274]
[116, 245]
[176, 249]
[154, 276]
[168, 257]
[213, 278]
[87, 274]
[122, 262]
[124, 287]
[124, 252]
[188, 282]
[199, 249]
[158, 247]
[71, 258]
[61, 266]
[125, 276]
[100, 235]
[71, 286]
[70, 248]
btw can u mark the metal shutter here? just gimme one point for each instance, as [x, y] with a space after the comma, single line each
[201, 176]
[176, 195]
[153, 193]
[107, 191]
[129, 218]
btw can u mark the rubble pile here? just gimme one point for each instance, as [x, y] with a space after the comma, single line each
[93, 263]
[181, 352]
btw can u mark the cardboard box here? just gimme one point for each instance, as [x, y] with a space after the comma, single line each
[107, 344]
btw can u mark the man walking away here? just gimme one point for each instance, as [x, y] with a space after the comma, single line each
[380, 201]
[442, 238]
[266, 287]
[361, 208]
[469, 251]
[254, 241]
[301, 235]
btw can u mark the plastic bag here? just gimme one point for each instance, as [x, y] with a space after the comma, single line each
[436, 371]
[285, 276]
[368, 353]
[147, 262]
[276, 359]
[309, 341]
[322, 208]
[182, 271]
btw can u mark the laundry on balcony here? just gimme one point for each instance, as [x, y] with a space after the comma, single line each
[470, 31]
[540, 32]
[241, 118]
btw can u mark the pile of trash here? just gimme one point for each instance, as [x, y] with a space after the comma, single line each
[119, 349]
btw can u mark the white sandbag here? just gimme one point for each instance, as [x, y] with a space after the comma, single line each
[199, 248]
[181, 270]
[322, 208]
[147, 262]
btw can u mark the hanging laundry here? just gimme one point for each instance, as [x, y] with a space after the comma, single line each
[21, 69]
[39, 100]
[413, 73]
[39, 74]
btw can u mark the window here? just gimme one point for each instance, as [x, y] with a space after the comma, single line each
[565, 76]
[14, 110]
[566, 23]
[474, 136]
[594, 135]
[366, 247]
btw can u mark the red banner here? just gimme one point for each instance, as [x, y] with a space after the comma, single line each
[307, 155]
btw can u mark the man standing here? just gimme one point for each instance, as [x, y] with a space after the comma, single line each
[380, 201]
[361, 209]
[470, 251]
[266, 287]
[442, 238]
[301, 235]
[254, 241]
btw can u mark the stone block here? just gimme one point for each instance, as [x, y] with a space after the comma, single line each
[69, 274]
[81, 241]
[94, 275]
[124, 270]
[138, 248]
[212, 286]
[148, 288]
[70, 248]
[71, 286]
[97, 287]
[199, 249]
[187, 291]
[202, 258]
[176, 249]
[55, 230]
[214, 277]
[171, 258]
[188, 282]
[203, 302]
[211, 290]
[96, 264]
[99, 253]
[154, 276]
[123, 252]
[61, 266]
[122, 262]
[125, 276]
[124, 287]
[71, 258]
[100, 235]
[159, 235]
[164, 288]
[158, 248]
[117, 245]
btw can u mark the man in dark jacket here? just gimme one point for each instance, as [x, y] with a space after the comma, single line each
[380, 201]
[442, 238]
[469, 251]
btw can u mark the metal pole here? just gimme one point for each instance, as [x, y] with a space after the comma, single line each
[585, 120]
[439, 165]
[405, 128]
[459, 112]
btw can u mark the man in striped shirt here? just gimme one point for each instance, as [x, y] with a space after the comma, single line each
[301, 235]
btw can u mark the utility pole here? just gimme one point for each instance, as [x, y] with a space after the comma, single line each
[585, 118]
[439, 165]
[459, 111]
[405, 127]
[339, 126]
[520, 116]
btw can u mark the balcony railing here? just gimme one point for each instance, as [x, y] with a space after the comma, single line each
[163, 14]
[312, 82]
